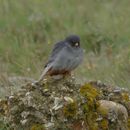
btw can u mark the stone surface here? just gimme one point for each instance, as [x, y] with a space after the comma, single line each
[67, 105]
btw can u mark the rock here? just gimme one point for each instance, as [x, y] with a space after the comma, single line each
[116, 114]
[67, 105]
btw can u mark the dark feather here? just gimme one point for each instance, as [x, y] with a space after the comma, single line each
[57, 47]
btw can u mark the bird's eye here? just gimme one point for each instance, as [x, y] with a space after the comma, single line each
[76, 44]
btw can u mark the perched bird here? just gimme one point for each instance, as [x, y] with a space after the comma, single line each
[65, 57]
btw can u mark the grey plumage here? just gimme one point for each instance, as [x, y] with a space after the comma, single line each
[66, 55]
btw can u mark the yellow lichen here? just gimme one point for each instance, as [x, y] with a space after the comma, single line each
[90, 94]
[3, 107]
[103, 111]
[103, 124]
[69, 110]
[89, 91]
[89, 108]
[129, 123]
[37, 127]
[125, 97]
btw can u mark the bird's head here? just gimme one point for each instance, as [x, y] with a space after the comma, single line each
[73, 40]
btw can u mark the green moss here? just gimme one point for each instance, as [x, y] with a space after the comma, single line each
[89, 108]
[125, 97]
[102, 111]
[104, 124]
[129, 123]
[89, 92]
[3, 107]
[70, 110]
[37, 127]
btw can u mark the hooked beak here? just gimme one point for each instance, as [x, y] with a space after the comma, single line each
[77, 44]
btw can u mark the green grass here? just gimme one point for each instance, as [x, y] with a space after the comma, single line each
[29, 28]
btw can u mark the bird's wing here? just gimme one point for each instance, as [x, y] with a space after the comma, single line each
[57, 48]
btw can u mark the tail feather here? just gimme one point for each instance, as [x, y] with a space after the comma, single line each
[44, 73]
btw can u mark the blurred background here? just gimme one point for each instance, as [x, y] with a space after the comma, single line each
[29, 29]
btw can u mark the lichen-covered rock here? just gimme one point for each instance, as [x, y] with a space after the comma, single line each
[67, 105]
[116, 115]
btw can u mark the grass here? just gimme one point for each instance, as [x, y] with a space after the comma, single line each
[29, 28]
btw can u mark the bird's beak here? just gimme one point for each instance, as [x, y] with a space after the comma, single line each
[77, 44]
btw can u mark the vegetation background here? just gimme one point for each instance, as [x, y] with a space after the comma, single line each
[29, 28]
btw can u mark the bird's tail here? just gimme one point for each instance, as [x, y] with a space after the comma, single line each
[44, 73]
